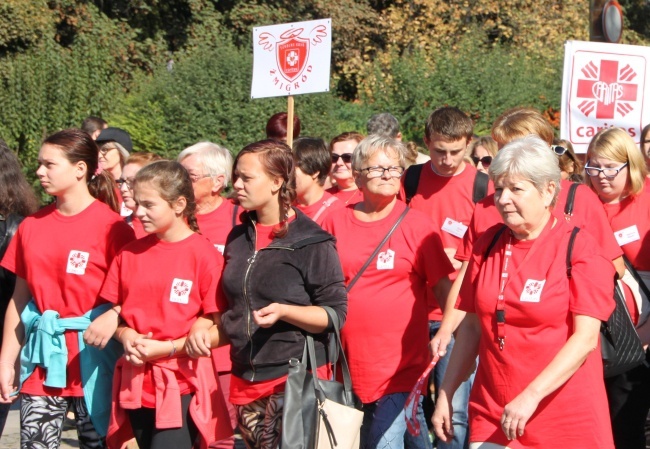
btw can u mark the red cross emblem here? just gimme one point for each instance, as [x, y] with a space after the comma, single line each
[292, 54]
[607, 90]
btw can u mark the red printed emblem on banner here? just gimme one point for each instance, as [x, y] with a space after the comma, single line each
[292, 54]
[607, 89]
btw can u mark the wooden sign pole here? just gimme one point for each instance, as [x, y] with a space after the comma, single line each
[290, 120]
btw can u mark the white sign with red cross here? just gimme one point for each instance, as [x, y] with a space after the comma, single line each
[291, 58]
[604, 85]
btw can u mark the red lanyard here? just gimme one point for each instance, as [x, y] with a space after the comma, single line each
[501, 300]
[412, 424]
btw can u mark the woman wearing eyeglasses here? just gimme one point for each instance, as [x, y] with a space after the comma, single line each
[125, 182]
[341, 148]
[386, 334]
[482, 150]
[616, 171]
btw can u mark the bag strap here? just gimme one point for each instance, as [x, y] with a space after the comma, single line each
[327, 203]
[411, 181]
[494, 241]
[635, 274]
[376, 251]
[569, 250]
[309, 355]
[570, 201]
[480, 189]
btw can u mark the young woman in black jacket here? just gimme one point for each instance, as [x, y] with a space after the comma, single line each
[280, 268]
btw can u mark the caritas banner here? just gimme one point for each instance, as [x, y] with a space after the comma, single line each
[292, 58]
[604, 85]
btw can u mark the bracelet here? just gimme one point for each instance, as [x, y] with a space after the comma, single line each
[119, 334]
[173, 348]
[118, 313]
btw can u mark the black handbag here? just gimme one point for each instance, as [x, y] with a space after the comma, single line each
[621, 347]
[304, 417]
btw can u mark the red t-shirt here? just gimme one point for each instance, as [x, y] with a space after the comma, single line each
[386, 332]
[346, 196]
[586, 215]
[321, 208]
[630, 221]
[64, 260]
[216, 226]
[448, 201]
[163, 287]
[540, 303]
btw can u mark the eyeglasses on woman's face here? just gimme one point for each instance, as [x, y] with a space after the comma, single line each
[378, 172]
[608, 172]
[485, 160]
[105, 150]
[128, 181]
[347, 157]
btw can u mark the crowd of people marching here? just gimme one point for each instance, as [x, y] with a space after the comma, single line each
[161, 300]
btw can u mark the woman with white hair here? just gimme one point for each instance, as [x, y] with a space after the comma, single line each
[539, 382]
[210, 167]
[387, 332]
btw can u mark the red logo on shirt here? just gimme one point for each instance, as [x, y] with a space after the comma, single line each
[182, 288]
[607, 89]
[533, 288]
[77, 260]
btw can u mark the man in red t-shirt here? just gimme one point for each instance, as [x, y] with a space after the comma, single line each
[210, 166]
[445, 192]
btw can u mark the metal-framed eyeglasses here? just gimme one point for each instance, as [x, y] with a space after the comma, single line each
[128, 181]
[378, 172]
[608, 172]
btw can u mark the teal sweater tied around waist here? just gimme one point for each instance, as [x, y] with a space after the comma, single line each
[45, 346]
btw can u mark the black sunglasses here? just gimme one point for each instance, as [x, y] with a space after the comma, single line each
[485, 160]
[347, 157]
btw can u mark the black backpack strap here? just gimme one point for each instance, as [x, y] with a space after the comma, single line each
[234, 215]
[481, 181]
[572, 240]
[494, 241]
[411, 181]
[570, 201]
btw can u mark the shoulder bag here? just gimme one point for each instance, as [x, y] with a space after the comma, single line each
[621, 347]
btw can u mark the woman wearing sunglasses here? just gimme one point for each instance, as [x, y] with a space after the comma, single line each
[571, 168]
[616, 171]
[482, 150]
[341, 148]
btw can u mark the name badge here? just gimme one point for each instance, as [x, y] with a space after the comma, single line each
[627, 235]
[455, 228]
[386, 260]
[77, 262]
[532, 291]
[180, 291]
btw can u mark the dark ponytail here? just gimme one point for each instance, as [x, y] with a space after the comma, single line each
[78, 146]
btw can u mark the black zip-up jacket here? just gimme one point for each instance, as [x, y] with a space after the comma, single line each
[302, 269]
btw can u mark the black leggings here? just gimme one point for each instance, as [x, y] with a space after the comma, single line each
[143, 423]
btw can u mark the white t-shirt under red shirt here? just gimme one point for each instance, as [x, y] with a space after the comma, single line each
[540, 304]
[386, 331]
[64, 260]
[163, 287]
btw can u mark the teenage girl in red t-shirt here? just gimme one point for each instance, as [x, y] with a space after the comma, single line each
[617, 173]
[163, 284]
[60, 256]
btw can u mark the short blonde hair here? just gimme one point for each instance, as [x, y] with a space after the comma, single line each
[520, 122]
[617, 145]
